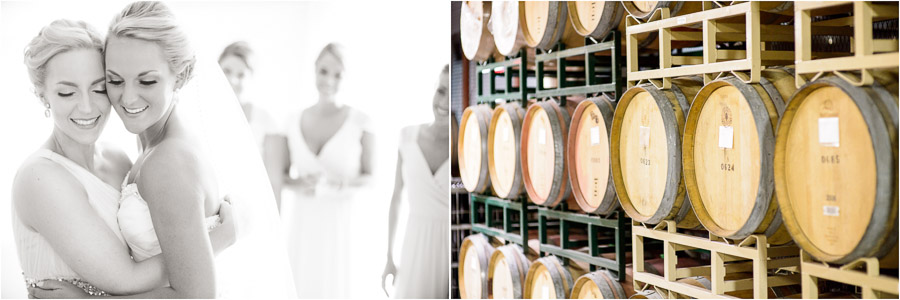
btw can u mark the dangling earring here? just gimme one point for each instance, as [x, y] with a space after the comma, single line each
[47, 111]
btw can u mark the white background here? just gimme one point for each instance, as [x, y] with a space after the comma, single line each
[394, 52]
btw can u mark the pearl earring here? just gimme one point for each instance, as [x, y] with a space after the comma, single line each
[47, 111]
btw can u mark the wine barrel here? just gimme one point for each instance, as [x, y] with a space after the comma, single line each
[729, 139]
[549, 279]
[506, 275]
[543, 153]
[475, 38]
[503, 141]
[645, 152]
[598, 285]
[595, 18]
[546, 23]
[836, 169]
[506, 27]
[473, 151]
[588, 156]
[473, 263]
[643, 10]
[649, 293]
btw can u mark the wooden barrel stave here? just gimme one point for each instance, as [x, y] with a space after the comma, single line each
[588, 156]
[506, 28]
[475, 37]
[473, 151]
[473, 263]
[549, 279]
[596, 18]
[643, 10]
[868, 227]
[667, 109]
[710, 188]
[504, 137]
[546, 23]
[507, 271]
[543, 152]
[598, 285]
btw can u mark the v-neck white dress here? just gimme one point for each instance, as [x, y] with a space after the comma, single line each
[424, 270]
[317, 221]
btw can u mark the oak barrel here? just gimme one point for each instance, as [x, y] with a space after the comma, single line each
[645, 152]
[643, 10]
[473, 151]
[543, 153]
[588, 156]
[595, 18]
[549, 279]
[506, 27]
[836, 169]
[546, 23]
[473, 266]
[504, 138]
[474, 35]
[508, 268]
[598, 285]
[649, 293]
[729, 140]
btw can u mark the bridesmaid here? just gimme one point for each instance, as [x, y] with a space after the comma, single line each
[422, 171]
[317, 169]
[237, 62]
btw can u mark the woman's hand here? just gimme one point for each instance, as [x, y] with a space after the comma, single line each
[224, 235]
[389, 269]
[56, 289]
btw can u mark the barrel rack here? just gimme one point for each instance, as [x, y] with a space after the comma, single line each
[618, 222]
[752, 254]
[509, 207]
[512, 67]
[714, 62]
[869, 279]
[864, 46]
[592, 83]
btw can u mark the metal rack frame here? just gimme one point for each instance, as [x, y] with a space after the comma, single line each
[619, 224]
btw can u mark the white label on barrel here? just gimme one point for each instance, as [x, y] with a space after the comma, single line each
[645, 136]
[832, 211]
[506, 135]
[545, 292]
[726, 137]
[595, 135]
[542, 136]
[829, 132]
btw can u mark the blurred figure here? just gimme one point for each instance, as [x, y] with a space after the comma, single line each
[237, 62]
[422, 171]
[317, 169]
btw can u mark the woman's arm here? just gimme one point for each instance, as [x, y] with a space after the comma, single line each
[366, 161]
[390, 266]
[174, 183]
[51, 201]
[278, 161]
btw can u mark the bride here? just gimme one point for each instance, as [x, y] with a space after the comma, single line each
[189, 156]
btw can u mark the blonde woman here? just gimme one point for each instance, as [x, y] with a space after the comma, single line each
[170, 193]
[423, 179]
[238, 63]
[65, 196]
[324, 159]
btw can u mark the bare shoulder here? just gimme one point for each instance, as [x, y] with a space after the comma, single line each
[43, 186]
[116, 161]
[175, 166]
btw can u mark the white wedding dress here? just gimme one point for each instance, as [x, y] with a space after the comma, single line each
[424, 270]
[256, 265]
[317, 221]
[36, 256]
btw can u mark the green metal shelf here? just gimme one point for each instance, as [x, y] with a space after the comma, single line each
[508, 207]
[509, 66]
[620, 225]
[591, 84]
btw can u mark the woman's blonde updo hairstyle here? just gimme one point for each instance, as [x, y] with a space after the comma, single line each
[58, 37]
[153, 21]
